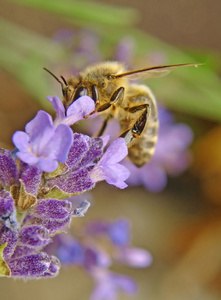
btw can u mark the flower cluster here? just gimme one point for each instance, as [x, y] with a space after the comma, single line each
[50, 163]
[93, 256]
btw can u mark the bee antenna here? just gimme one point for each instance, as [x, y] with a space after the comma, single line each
[55, 77]
[64, 80]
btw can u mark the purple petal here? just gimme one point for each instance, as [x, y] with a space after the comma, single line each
[152, 176]
[60, 144]
[27, 157]
[71, 252]
[119, 232]
[58, 107]
[115, 152]
[116, 175]
[109, 283]
[96, 258]
[21, 140]
[40, 130]
[47, 165]
[135, 257]
[79, 109]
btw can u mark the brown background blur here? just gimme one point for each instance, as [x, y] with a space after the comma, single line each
[181, 231]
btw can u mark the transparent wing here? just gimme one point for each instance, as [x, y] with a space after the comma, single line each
[153, 72]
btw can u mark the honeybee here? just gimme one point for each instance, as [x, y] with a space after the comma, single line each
[133, 105]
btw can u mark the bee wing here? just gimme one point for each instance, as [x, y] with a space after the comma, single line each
[152, 72]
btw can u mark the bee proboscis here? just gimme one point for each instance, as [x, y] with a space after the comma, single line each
[133, 105]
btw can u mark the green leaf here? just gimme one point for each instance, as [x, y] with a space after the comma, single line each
[4, 269]
[86, 11]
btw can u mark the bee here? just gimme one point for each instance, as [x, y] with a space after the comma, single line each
[133, 105]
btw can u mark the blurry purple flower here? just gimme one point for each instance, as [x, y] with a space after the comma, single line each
[43, 144]
[70, 250]
[108, 284]
[134, 257]
[125, 50]
[108, 168]
[75, 112]
[119, 232]
[95, 257]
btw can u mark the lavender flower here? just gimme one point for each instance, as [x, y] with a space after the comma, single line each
[92, 255]
[31, 207]
[108, 168]
[108, 284]
[43, 148]
[75, 112]
[45, 143]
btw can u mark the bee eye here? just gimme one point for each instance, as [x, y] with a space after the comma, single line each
[81, 91]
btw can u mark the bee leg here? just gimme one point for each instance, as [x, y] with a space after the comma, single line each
[103, 127]
[137, 129]
[117, 97]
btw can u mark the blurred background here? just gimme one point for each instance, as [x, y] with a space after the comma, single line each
[178, 222]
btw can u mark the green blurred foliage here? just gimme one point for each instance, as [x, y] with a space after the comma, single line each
[24, 52]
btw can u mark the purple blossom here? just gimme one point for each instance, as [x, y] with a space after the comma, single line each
[30, 213]
[90, 252]
[75, 112]
[125, 50]
[43, 144]
[134, 257]
[108, 284]
[108, 168]
[119, 232]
